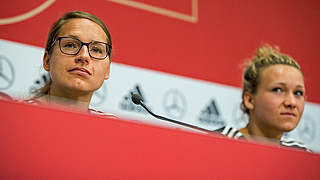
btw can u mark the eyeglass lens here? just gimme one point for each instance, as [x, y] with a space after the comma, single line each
[72, 46]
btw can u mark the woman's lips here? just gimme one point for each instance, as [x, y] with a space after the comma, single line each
[80, 71]
[289, 114]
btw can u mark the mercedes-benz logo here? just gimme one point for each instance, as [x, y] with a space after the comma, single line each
[174, 104]
[99, 96]
[7, 74]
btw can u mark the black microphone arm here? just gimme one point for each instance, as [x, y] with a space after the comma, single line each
[137, 99]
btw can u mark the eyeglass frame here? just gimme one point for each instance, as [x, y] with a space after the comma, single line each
[108, 53]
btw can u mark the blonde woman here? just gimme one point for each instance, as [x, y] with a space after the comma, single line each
[273, 97]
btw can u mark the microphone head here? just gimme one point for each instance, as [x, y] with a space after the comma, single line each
[136, 98]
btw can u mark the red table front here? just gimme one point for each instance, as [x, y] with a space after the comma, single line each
[45, 143]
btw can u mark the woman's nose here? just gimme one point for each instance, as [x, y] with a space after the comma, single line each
[83, 55]
[290, 100]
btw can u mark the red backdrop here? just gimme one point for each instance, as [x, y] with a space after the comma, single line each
[212, 49]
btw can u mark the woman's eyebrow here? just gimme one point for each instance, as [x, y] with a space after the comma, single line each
[300, 86]
[280, 83]
[73, 36]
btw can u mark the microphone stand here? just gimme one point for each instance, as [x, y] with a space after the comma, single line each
[174, 121]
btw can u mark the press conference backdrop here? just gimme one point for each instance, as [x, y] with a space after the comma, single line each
[183, 57]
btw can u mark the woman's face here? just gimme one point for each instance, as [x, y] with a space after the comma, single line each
[279, 100]
[80, 72]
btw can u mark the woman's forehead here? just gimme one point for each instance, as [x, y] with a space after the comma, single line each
[83, 29]
[281, 74]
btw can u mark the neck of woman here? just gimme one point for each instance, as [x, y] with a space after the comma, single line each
[254, 131]
[75, 101]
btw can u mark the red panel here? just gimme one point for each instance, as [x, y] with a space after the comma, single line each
[181, 6]
[227, 32]
[18, 7]
[43, 143]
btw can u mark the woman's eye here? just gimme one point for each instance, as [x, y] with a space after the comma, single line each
[70, 45]
[278, 90]
[96, 50]
[299, 93]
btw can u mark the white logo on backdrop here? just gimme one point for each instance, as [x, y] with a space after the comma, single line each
[127, 104]
[193, 18]
[210, 115]
[7, 74]
[174, 104]
[27, 15]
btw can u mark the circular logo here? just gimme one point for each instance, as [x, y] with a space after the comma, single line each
[306, 129]
[174, 104]
[27, 15]
[7, 74]
[99, 96]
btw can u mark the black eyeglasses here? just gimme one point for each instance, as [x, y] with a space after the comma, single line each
[72, 46]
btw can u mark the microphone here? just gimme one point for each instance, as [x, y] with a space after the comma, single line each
[137, 99]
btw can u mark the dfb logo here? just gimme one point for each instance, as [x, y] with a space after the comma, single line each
[210, 115]
[127, 104]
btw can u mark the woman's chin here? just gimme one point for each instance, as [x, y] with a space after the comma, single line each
[288, 128]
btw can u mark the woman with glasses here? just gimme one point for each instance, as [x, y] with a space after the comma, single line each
[77, 58]
[273, 98]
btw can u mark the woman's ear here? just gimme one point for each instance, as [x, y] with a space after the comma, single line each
[248, 100]
[107, 75]
[46, 61]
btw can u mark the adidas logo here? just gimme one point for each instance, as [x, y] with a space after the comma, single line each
[39, 83]
[210, 115]
[127, 104]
